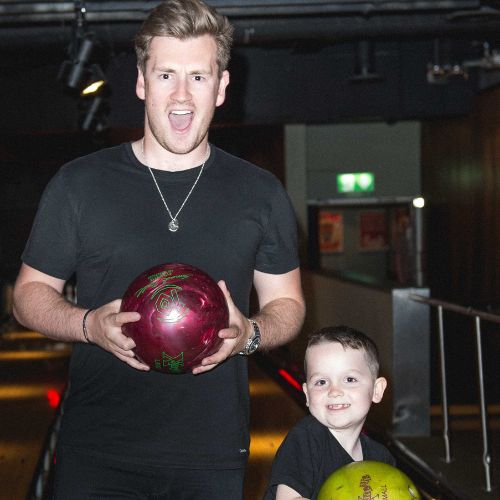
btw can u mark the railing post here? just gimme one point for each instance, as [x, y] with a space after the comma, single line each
[444, 390]
[486, 453]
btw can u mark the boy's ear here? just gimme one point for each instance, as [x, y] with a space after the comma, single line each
[304, 388]
[378, 389]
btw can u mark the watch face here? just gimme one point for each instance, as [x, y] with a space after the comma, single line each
[253, 342]
[254, 345]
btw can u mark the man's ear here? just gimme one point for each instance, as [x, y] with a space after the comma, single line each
[378, 389]
[140, 85]
[304, 388]
[221, 91]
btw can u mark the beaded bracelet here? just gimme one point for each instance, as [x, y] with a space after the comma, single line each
[84, 326]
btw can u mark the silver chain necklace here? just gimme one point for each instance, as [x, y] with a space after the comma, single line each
[173, 225]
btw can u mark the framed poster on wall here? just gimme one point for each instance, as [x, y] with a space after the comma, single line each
[373, 235]
[331, 232]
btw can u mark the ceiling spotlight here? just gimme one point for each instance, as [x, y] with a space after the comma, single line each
[78, 73]
[80, 62]
[94, 116]
[440, 70]
[94, 82]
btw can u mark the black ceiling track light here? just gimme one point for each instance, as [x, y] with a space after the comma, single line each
[83, 76]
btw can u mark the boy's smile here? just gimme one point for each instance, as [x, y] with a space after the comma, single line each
[340, 387]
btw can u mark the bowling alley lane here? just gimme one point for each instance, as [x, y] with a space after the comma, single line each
[273, 414]
[32, 379]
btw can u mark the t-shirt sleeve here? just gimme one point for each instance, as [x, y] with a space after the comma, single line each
[52, 245]
[388, 458]
[292, 466]
[278, 253]
[377, 451]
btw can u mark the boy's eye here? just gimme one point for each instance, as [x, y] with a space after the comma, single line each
[351, 379]
[320, 382]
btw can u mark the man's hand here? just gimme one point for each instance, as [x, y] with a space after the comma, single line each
[234, 337]
[104, 327]
[40, 305]
[280, 316]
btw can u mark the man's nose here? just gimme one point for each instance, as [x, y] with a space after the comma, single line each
[181, 91]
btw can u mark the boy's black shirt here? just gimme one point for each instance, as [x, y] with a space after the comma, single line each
[310, 453]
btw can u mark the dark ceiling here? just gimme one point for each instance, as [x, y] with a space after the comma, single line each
[262, 21]
[310, 61]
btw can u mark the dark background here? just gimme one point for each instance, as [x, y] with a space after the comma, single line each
[294, 62]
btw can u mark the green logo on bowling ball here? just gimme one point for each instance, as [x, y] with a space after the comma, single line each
[170, 306]
[159, 282]
[174, 364]
[166, 295]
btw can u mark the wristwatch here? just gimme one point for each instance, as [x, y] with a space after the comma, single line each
[253, 342]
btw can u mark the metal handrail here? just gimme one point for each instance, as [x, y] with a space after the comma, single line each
[478, 316]
[466, 311]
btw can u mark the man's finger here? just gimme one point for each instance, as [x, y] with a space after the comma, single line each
[228, 333]
[133, 362]
[203, 369]
[126, 317]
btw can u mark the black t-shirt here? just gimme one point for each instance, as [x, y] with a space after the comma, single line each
[310, 453]
[102, 218]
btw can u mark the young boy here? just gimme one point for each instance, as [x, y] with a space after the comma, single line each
[341, 366]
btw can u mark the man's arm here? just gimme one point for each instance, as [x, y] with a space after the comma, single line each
[39, 305]
[281, 314]
[282, 307]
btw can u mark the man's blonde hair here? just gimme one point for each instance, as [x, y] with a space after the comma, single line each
[183, 19]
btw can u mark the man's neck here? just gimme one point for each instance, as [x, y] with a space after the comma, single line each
[157, 157]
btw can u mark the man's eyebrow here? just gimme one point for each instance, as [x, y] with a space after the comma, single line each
[163, 69]
[201, 71]
[198, 71]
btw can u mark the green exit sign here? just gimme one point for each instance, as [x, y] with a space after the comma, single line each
[362, 182]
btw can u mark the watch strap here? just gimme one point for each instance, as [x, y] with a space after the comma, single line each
[254, 341]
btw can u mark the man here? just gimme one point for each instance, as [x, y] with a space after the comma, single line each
[169, 197]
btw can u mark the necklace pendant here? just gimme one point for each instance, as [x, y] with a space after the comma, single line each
[173, 225]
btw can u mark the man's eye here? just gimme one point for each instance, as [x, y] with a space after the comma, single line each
[198, 78]
[165, 76]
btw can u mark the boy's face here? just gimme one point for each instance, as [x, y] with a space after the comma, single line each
[340, 387]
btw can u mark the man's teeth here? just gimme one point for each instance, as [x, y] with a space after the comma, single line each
[181, 112]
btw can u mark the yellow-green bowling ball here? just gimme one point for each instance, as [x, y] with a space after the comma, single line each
[368, 480]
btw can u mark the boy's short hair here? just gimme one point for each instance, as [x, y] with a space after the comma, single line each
[348, 338]
[185, 19]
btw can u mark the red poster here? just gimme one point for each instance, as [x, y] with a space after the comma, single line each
[331, 232]
[373, 230]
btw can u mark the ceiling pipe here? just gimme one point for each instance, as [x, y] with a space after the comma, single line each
[264, 31]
